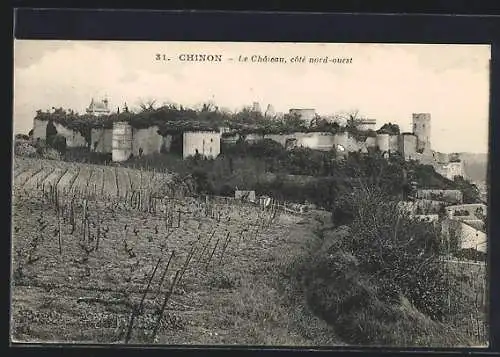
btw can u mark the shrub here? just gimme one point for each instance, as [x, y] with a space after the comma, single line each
[201, 182]
[25, 149]
[226, 190]
[380, 273]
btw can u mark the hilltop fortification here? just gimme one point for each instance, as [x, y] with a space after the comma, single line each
[125, 134]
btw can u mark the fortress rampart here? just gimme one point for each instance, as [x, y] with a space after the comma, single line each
[415, 145]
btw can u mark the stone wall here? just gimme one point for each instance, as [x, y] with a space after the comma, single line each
[73, 138]
[467, 237]
[146, 139]
[371, 142]
[102, 140]
[304, 114]
[316, 141]
[393, 143]
[420, 206]
[449, 196]
[122, 141]
[39, 129]
[166, 143]
[471, 209]
[383, 142]
[280, 138]
[408, 147]
[205, 143]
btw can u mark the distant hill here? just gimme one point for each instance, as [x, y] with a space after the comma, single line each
[476, 166]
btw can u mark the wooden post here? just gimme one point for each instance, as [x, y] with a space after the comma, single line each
[59, 234]
[167, 297]
[211, 255]
[137, 310]
[165, 271]
[224, 247]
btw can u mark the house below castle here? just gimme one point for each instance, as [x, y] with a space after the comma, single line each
[465, 225]
[451, 169]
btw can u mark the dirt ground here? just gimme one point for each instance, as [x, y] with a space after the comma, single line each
[79, 281]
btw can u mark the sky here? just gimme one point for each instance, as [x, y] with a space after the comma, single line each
[387, 82]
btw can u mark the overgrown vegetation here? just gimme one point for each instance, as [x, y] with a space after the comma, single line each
[172, 119]
[298, 175]
[378, 278]
[302, 174]
[389, 128]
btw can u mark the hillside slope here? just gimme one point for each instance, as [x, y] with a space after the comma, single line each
[80, 268]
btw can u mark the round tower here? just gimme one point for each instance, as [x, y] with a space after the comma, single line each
[422, 130]
[383, 142]
[121, 141]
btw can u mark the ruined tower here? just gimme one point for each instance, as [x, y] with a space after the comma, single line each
[422, 130]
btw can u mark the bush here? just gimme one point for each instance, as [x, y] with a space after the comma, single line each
[201, 181]
[25, 149]
[226, 190]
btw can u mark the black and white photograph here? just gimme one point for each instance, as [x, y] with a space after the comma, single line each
[250, 194]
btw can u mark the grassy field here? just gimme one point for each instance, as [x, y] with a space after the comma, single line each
[90, 267]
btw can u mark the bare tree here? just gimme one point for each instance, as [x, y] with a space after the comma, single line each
[147, 105]
[168, 103]
[208, 106]
[351, 118]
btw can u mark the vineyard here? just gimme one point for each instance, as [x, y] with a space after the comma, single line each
[113, 255]
[93, 181]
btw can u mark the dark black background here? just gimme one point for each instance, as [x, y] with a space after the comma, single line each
[455, 22]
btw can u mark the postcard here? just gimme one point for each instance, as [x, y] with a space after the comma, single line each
[255, 194]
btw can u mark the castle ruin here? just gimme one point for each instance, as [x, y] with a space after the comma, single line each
[123, 141]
